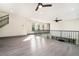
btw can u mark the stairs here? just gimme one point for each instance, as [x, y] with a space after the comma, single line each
[4, 19]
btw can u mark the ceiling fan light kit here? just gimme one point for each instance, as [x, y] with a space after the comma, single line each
[40, 6]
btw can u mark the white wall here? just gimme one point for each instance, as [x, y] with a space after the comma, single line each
[17, 20]
[66, 25]
[20, 21]
[15, 27]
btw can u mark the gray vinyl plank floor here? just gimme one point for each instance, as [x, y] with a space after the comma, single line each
[36, 46]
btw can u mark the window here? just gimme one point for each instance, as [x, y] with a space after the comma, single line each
[38, 27]
[33, 27]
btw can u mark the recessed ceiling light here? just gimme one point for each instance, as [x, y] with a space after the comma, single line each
[72, 9]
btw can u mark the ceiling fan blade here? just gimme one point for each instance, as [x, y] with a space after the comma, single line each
[36, 8]
[56, 20]
[59, 20]
[48, 5]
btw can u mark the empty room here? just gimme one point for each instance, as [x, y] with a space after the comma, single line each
[39, 29]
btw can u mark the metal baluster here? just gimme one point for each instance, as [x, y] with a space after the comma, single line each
[72, 36]
[75, 38]
[71, 40]
[78, 37]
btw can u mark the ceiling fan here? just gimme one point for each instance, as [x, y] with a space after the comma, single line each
[42, 5]
[56, 20]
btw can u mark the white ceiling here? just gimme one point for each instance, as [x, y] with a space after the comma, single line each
[65, 11]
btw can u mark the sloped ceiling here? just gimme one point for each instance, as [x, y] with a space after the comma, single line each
[65, 11]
